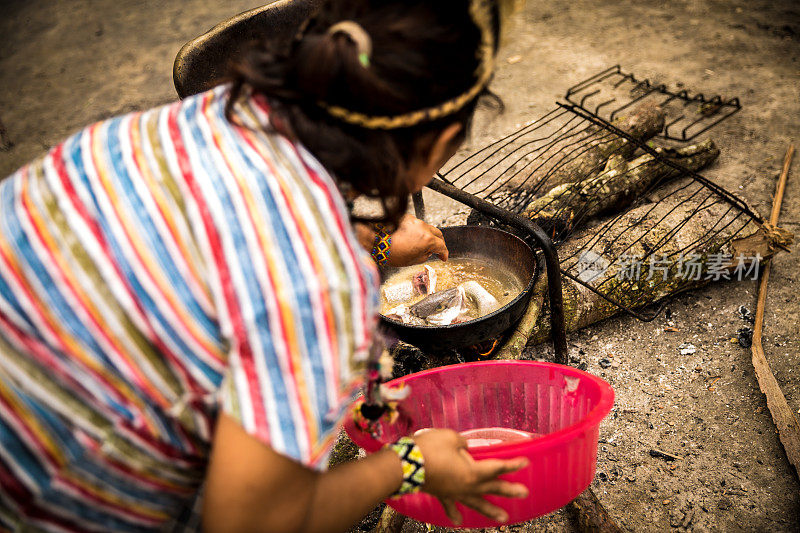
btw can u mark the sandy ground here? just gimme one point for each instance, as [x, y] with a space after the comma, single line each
[60, 70]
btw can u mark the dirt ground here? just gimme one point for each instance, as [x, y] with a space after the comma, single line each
[64, 65]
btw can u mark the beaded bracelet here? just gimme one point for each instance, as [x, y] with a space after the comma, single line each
[381, 246]
[413, 465]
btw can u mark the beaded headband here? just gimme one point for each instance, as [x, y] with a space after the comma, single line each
[482, 14]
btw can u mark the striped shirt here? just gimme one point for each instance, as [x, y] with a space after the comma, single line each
[155, 269]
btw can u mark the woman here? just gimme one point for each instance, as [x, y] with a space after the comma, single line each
[184, 302]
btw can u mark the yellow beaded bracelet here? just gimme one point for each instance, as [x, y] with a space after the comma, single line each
[413, 465]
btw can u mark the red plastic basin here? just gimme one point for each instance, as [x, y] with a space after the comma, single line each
[563, 406]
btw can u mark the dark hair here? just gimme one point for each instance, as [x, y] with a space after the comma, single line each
[423, 54]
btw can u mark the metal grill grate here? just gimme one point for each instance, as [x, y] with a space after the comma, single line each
[518, 174]
[611, 92]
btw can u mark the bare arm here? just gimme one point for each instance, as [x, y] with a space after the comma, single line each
[250, 487]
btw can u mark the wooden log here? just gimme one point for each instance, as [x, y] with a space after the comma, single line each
[583, 157]
[512, 348]
[622, 182]
[715, 230]
[643, 123]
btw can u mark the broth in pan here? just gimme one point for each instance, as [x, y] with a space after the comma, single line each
[439, 293]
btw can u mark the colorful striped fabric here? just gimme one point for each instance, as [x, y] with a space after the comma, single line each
[154, 269]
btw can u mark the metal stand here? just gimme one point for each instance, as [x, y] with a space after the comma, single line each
[557, 327]
[419, 205]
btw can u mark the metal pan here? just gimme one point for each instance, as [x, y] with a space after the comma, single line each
[494, 246]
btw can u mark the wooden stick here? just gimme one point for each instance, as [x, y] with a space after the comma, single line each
[782, 415]
[778, 200]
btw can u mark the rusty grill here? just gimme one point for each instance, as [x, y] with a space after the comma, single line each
[504, 182]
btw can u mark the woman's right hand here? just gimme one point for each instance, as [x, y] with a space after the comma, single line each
[414, 241]
[452, 475]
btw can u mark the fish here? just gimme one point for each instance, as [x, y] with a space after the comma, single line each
[454, 312]
[434, 303]
[424, 281]
[447, 307]
[441, 294]
[398, 313]
[398, 293]
[438, 309]
[441, 308]
[403, 315]
[484, 301]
